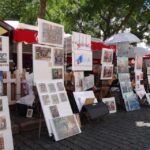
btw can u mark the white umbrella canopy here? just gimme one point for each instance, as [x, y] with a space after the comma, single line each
[140, 51]
[122, 37]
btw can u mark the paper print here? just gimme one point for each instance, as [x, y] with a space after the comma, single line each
[107, 72]
[122, 65]
[107, 56]
[58, 57]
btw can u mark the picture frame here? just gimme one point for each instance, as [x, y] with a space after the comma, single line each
[107, 71]
[58, 58]
[107, 56]
[64, 127]
[57, 73]
[110, 103]
[50, 33]
[29, 113]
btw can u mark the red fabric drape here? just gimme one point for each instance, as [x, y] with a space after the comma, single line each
[23, 35]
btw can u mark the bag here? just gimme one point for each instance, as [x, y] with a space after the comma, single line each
[95, 110]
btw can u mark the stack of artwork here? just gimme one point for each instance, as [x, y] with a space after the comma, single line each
[48, 63]
[106, 61]
[4, 53]
[6, 140]
[130, 99]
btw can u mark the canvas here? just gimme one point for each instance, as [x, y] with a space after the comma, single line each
[54, 111]
[78, 76]
[58, 57]
[65, 127]
[110, 103]
[81, 41]
[107, 72]
[122, 65]
[82, 60]
[50, 33]
[107, 56]
[57, 73]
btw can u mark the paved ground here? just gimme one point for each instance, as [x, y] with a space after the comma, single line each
[120, 131]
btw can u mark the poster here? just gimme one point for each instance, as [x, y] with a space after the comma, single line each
[50, 33]
[110, 103]
[6, 139]
[4, 53]
[81, 41]
[107, 72]
[82, 60]
[122, 65]
[64, 127]
[107, 56]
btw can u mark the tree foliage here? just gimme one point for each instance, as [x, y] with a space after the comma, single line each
[100, 18]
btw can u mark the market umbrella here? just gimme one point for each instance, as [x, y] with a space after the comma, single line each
[140, 51]
[122, 37]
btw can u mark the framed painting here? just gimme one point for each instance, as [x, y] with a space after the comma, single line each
[107, 56]
[57, 73]
[81, 41]
[82, 60]
[107, 72]
[110, 103]
[64, 127]
[58, 58]
[50, 33]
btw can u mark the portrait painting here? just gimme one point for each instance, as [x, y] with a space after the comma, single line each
[54, 99]
[65, 127]
[122, 65]
[60, 86]
[42, 87]
[3, 57]
[54, 111]
[45, 99]
[107, 72]
[2, 122]
[57, 73]
[63, 97]
[107, 56]
[50, 33]
[110, 103]
[58, 57]
[43, 53]
[52, 88]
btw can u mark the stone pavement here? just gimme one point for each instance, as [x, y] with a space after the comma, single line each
[119, 131]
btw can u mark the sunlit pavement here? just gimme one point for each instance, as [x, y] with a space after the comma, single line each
[119, 131]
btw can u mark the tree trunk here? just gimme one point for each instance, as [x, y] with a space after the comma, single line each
[42, 9]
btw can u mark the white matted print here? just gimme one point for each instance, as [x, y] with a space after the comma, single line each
[107, 56]
[50, 33]
[58, 58]
[107, 72]
[80, 98]
[110, 103]
[78, 76]
[148, 70]
[82, 60]
[6, 140]
[138, 63]
[64, 127]
[88, 82]
[42, 62]
[4, 53]
[81, 41]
